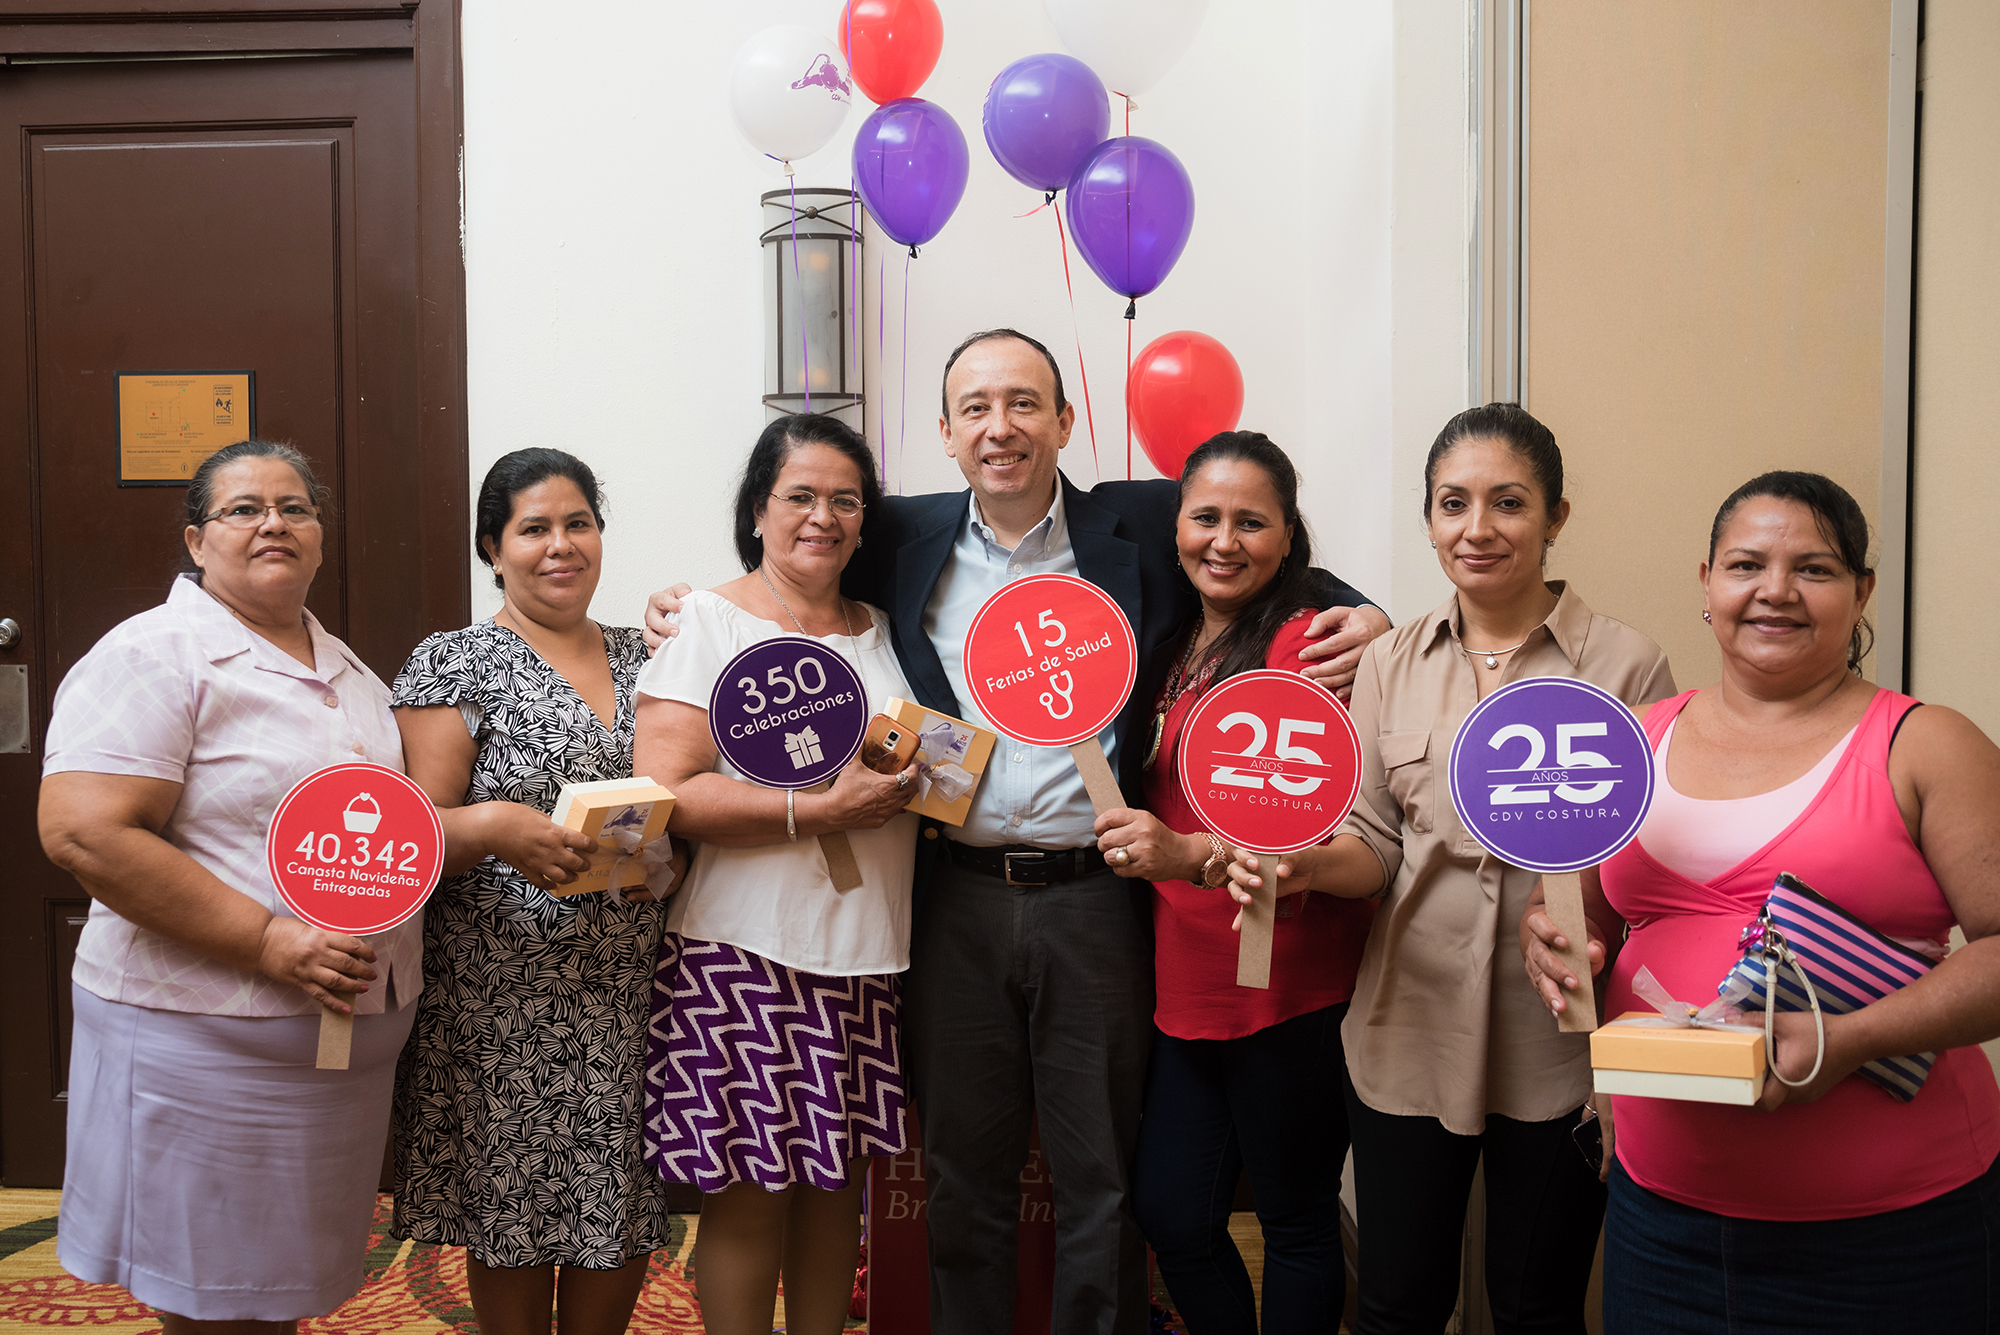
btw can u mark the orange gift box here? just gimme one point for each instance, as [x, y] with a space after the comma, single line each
[1670, 1062]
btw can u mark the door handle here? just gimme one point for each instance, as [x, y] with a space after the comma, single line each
[10, 632]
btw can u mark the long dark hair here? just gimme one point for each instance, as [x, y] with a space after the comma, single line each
[1840, 522]
[512, 474]
[767, 460]
[200, 498]
[1246, 642]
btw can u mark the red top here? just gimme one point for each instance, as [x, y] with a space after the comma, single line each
[1857, 1151]
[1317, 941]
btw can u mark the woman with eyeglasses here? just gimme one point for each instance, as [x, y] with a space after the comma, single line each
[774, 1069]
[213, 1171]
[517, 1100]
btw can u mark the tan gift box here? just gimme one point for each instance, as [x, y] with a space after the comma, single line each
[968, 747]
[603, 811]
[1669, 1062]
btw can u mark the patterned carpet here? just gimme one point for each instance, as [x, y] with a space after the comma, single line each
[412, 1288]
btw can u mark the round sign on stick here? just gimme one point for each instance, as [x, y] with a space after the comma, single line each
[788, 712]
[1270, 762]
[1554, 775]
[354, 848]
[1050, 661]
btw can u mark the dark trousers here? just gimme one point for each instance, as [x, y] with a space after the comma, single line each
[1030, 1001]
[1931, 1267]
[1269, 1103]
[1544, 1207]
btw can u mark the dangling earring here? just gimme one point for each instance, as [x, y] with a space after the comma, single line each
[756, 531]
[857, 542]
[1548, 543]
[1706, 617]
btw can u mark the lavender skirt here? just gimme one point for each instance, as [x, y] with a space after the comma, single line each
[760, 1073]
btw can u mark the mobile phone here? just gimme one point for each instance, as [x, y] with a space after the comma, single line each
[888, 745]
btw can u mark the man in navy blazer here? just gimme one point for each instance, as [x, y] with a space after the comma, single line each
[1030, 988]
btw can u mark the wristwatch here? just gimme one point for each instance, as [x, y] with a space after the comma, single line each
[1216, 870]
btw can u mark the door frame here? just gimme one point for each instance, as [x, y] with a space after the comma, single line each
[66, 31]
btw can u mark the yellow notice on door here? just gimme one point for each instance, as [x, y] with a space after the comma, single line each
[169, 421]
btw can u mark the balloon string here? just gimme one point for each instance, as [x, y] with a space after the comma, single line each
[1047, 200]
[1130, 313]
[882, 358]
[805, 345]
[1089, 417]
[903, 431]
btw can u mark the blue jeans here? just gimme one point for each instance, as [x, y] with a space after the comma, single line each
[1269, 1102]
[1929, 1267]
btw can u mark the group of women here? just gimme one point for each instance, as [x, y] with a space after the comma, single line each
[566, 1055]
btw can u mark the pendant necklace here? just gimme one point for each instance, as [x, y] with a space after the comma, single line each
[845, 620]
[1181, 682]
[1491, 655]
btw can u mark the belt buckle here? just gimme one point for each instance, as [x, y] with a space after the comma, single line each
[1007, 862]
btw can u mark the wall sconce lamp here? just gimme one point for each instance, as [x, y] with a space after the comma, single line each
[812, 346]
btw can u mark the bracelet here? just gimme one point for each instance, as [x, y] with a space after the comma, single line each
[791, 816]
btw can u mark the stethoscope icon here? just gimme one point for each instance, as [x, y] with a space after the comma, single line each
[1069, 705]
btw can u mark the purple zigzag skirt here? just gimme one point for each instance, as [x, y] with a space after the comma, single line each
[760, 1073]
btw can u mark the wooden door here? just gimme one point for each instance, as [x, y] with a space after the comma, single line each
[229, 213]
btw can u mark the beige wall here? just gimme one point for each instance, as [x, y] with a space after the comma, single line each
[1955, 579]
[1705, 285]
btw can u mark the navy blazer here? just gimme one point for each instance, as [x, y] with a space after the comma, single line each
[1123, 537]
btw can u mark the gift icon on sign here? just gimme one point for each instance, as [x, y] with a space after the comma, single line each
[803, 747]
[362, 822]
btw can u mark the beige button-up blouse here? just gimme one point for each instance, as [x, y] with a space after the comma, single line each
[1443, 1022]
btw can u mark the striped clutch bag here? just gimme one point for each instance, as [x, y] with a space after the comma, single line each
[1845, 962]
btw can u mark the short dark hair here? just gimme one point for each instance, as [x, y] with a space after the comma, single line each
[1245, 644]
[200, 498]
[767, 460]
[512, 474]
[1522, 433]
[982, 336]
[1840, 522]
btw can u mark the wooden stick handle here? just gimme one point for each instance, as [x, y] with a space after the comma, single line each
[840, 863]
[1098, 780]
[336, 1040]
[1253, 951]
[1562, 898]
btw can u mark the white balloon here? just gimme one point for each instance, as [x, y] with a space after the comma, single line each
[1128, 43]
[789, 91]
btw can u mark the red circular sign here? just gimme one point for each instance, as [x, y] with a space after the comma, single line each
[355, 848]
[1050, 660]
[1270, 761]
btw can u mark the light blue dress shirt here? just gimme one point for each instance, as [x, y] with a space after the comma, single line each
[1029, 794]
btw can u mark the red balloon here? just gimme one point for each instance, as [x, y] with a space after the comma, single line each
[1184, 388]
[895, 45]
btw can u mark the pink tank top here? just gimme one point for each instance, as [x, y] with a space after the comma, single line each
[1857, 1151]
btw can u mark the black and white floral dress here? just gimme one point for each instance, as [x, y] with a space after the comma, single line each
[517, 1118]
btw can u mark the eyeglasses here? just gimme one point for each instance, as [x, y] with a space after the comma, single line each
[805, 502]
[247, 514]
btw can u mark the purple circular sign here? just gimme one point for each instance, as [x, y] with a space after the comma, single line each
[1551, 774]
[788, 712]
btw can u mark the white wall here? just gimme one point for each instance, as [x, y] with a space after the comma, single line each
[615, 296]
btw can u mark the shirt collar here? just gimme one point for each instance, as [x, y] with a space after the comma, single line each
[1568, 623]
[222, 636]
[1051, 535]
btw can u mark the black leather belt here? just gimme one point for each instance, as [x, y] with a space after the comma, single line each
[1017, 864]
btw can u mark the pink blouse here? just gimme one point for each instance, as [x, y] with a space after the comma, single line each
[185, 692]
[1857, 1151]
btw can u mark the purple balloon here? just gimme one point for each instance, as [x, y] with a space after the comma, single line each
[1043, 115]
[910, 165]
[1131, 207]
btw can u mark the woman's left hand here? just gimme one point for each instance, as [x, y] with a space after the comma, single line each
[1797, 1044]
[1136, 844]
